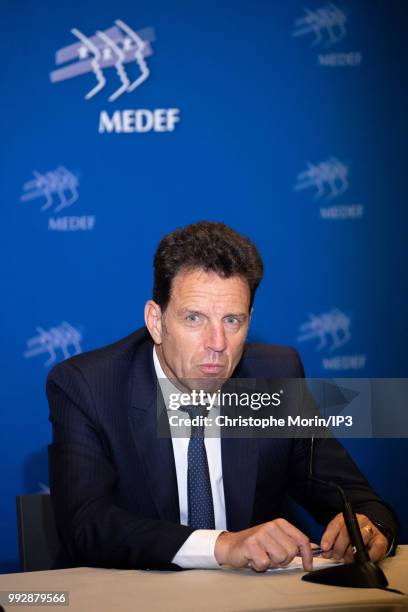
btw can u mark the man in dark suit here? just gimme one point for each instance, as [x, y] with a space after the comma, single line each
[126, 498]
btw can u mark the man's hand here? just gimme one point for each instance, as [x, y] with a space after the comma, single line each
[272, 544]
[336, 542]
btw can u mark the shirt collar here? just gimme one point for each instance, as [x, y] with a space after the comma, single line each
[166, 385]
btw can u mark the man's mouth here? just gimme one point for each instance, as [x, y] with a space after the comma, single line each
[211, 368]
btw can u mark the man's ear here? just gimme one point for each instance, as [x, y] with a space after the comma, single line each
[153, 320]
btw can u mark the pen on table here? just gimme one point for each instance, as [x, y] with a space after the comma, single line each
[318, 550]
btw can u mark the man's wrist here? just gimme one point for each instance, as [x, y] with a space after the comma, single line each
[220, 548]
[389, 534]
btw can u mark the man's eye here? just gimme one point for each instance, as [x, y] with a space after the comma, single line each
[192, 318]
[233, 321]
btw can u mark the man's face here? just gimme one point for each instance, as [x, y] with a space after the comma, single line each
[202, 332]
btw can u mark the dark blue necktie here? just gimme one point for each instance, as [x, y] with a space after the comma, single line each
[200, 501]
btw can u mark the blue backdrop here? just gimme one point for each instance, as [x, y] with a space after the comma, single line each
[124, 120]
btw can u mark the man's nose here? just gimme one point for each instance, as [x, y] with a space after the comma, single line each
[216, 339]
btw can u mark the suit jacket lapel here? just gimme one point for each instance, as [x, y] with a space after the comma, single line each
[155, 453]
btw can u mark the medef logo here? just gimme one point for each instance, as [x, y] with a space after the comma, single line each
[63, 338]
[325, 27]
[115, 54]
[329, 180]
[115, 47]
[57, 190]
[331, 330]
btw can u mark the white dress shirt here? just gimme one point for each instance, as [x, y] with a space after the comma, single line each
[198, 550]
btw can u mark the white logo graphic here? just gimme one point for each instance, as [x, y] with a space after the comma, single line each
[58, 188]
[327, 23]
[64, 337]
[333, 326]
[330, 178]
[116, 46]
[60, 182]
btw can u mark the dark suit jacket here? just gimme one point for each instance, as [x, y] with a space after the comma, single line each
[113, 481]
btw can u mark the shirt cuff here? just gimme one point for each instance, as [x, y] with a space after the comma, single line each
[198, 550]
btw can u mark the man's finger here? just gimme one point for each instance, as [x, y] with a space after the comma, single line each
[368, 532]
[301, 540]
[348, 554]
[331, 533]
[336, 539]
[288, 549]
[260, 562]
[341, 544]
[378, 547]
[265, 552]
